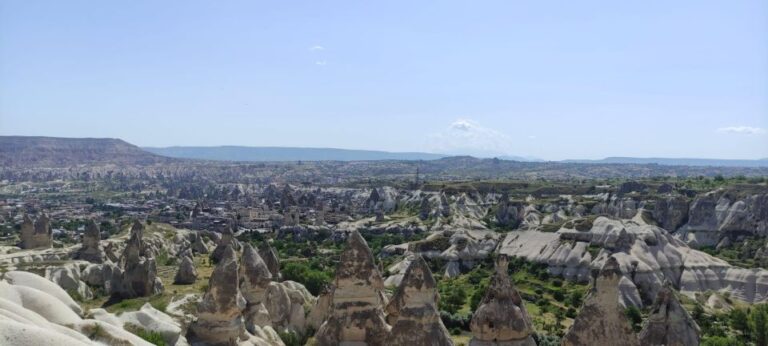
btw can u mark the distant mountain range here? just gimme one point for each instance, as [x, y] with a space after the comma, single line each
[35, 151]
[57, 152]
[679, 161]
[241, 153]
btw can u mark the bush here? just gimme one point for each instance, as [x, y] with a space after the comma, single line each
[635, 317]
[314, 280]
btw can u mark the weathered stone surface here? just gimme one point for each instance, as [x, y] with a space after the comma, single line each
[501, 317]
[254, 280]
[601, 320]
[227, 239]
[36, 235]
[413, 309]
[91, 249]
[669, 324]
[671, 212]
[219, 319]
[269, 256]
[725, 213]
[68, 277]
[357, 313]
[285, 303]
[187, 274]
[139, 277]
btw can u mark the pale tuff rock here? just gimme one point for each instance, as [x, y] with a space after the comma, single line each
[147, 318]
[285, 303]
[198, 244]
[187, 274]
[91, 249]
[69, 278]
[106, 275]
[724, 213]
[669, 324]
[268, 255]
[254, 280]
[36, 235]
[20, 279]
[139, 268]
[227, 239]
[321, 309]
[219, 318]
[508, 214]
[357, 301]
[601, 320]
[501, 317]
[413, 309]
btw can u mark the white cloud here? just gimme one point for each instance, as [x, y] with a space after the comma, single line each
[320, 63]
[467, 137]
[743, 130]
[316, 48]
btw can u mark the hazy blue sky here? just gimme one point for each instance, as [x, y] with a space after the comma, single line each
[551, 79]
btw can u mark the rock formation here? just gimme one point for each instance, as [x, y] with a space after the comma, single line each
[669, 324]
[139, 268]
[413, 309]
[227, 239]
[601, 320]
[268, 255]
[501, 317]
[220, 321]
[254, 280]
[91, 249]
[187, 274]
[356, 314]
[36, 235]
[671, 212]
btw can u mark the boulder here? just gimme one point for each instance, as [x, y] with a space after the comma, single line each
[254, 281]
[501, 317]
[601, 320]
[413, 309]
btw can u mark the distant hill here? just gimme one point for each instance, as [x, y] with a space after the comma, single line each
[679, 161]
[241, 153]
[58, 152]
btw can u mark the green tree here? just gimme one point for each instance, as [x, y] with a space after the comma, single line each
[759, 324]
[740, 321]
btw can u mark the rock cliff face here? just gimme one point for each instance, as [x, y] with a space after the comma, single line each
[91, 249]
[139, 278]
[501, 317]
[648, 255]
[219, 320]
[413, 309]
[601, 320]
[669, 324]
[356, 313]
[36, 235]
[719, 214]
[671, 212]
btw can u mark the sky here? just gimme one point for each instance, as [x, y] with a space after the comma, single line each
[546, 79]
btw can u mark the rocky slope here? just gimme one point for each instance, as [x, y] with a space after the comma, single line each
[19, 151]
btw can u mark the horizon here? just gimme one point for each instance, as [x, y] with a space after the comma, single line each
[564, 81]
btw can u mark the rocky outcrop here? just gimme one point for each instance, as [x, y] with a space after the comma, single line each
[601, 320]
[219, 318]
[356, 313]
[139, 277]
[508, 214]
[69, 278]
[460, 248]
[254, 281]
[669, 324]
[620, 207]
[227, 239]
[285, 302]
[36, 235]
[413, 309]
[187, 274]
[91, 249]
[725, 213]
[269, 256]
[501, 317]
[671, 212]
